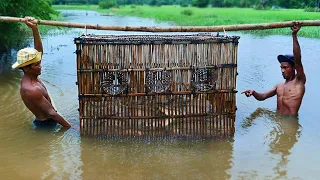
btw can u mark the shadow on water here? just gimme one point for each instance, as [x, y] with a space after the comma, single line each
[285, 132]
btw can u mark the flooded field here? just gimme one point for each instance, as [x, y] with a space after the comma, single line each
[265, 146]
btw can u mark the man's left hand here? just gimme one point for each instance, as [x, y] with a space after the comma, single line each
[28, 20]
[296, 27]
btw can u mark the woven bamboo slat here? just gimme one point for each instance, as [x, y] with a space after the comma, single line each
[157, 85]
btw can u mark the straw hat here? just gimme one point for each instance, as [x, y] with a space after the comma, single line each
[27, 56]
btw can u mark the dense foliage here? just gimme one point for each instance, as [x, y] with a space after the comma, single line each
[107, 4]
[12, 33]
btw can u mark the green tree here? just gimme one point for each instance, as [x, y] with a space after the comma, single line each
[264, 3]
[217, 3]
[200, 3]
[153, 2]
[12, 33]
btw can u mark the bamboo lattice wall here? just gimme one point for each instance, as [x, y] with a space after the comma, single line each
[157, 85]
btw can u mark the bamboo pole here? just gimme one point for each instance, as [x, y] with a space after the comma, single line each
[220, 28]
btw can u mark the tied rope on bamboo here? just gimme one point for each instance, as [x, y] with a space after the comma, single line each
[238, 27]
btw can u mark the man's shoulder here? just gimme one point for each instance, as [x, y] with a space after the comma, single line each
[26, 86]
[28, 89]
[279, 85]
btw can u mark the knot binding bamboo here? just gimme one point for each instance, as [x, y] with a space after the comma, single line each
[157, 85]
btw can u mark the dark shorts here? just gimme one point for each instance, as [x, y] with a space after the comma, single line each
[45, 123]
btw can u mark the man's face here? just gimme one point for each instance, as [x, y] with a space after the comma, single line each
[34, 68]
[287, 70]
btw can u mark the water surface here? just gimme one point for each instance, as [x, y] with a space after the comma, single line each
[264, 146]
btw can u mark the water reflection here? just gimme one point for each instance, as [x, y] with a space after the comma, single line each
[26, 154]
[5, 62]
[174, 159]
[285, 133]
[65, 156]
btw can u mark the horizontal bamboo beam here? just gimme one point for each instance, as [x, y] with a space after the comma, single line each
[220, 28]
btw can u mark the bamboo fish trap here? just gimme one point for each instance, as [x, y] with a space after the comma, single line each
[157, 85]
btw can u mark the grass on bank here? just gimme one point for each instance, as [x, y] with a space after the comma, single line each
[192, 16]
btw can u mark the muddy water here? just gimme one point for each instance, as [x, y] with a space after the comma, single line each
[265, 146]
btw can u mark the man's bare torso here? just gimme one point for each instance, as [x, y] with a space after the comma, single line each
[289, 96]
[28, 86]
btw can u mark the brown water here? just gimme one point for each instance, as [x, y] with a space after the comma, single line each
[264, 146]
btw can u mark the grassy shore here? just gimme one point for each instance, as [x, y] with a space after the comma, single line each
[192, 16]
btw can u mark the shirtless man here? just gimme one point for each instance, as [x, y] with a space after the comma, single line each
[290, 93]
[33, 92]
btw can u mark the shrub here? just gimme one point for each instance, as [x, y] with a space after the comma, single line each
[107, 4]
[261, 7]
[184, 4]
[311, 9]
[187, 12]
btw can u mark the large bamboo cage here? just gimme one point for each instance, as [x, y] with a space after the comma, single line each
[157, 85]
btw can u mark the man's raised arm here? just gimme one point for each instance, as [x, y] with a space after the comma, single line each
[36, 34]
[297, 53]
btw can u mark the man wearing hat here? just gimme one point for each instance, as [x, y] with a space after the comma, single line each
[33, 92]
[290, 93]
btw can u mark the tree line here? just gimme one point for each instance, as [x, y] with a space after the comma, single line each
[205, 3]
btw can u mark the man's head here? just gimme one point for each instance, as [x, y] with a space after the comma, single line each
[287, 66]
[29, 60]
